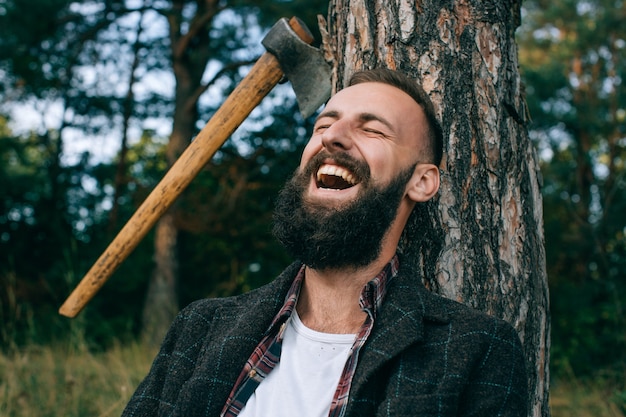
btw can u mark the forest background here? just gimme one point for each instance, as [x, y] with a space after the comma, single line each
[87, 94]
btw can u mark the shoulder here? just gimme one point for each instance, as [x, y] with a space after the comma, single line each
[444, 317]
[487, 351]
[213, 319]
[269, 296]
[466, 321]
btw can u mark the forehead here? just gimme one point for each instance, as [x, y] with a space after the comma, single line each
[379, 99]
[374, 95]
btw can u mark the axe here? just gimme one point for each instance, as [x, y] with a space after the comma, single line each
[289, 54]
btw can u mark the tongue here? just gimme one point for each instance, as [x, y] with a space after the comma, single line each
[334, 182]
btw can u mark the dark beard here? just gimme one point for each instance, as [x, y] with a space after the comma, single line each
[349, 236]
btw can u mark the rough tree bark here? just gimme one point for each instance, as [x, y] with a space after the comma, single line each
[489, 209]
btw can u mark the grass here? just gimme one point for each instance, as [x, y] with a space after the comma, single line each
[62, 380]
[573, 399]
[65, 381]
[604, 395]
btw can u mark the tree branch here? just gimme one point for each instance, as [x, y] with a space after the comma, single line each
[198, 23]
[193, 100]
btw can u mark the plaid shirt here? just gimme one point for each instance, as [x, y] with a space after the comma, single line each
[267, 353]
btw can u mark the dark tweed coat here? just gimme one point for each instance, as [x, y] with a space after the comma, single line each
[426, 356]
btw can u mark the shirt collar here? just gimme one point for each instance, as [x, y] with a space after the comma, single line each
[370, 300]
[375, 290]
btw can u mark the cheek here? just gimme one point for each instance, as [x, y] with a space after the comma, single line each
[381, 163]
[391, 160]
[310, 150]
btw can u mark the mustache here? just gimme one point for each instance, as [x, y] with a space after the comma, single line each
[360, 169]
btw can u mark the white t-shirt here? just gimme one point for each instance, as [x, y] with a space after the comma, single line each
[303, 383]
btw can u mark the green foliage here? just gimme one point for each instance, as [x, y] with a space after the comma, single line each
[23, 24]
[34, 226]
[227, 246]
[573, 62]
[51, 227]
[306, 10]
[57, 215]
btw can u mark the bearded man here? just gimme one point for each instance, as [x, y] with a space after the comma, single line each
[347, 329]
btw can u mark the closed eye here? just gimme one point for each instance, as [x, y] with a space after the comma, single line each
[375, 133]
[321, 128]
[324, 120]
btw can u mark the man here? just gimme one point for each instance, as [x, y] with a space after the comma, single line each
[347, 330]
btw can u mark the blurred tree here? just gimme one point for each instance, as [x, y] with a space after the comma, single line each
[487, 247]
[47, 219]
[62, 62]
[112, 69]
[26, 223]
[195, 37]
[573, 59]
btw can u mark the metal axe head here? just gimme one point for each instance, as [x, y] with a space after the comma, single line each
[303, 65]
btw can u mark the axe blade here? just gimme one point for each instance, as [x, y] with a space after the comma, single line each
[304, 66]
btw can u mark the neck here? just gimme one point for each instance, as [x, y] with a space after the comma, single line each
[329, 299]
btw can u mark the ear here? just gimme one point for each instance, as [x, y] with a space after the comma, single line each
[424, 183]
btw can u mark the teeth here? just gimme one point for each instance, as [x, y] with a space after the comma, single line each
[336, 171]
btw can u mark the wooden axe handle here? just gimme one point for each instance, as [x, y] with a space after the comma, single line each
[261, 79]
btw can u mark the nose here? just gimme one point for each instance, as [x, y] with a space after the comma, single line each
[337, 137]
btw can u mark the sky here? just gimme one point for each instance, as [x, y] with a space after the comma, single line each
[46, 115]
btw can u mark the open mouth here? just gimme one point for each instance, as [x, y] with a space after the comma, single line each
[335, 177]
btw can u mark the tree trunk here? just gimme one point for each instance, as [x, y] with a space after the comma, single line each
[161, 300]
[190, 46]
[489, 209]
[121, 175]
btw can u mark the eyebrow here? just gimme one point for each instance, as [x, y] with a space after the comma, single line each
[368, 117]
[330, 113]
[364, 117]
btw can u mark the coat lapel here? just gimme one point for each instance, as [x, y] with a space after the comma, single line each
[239, 325]
[398, 325]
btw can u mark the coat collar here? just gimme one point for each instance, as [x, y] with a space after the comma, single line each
[244, 319]
[400, 323]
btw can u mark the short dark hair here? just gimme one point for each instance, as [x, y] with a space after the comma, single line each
[413, 89]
